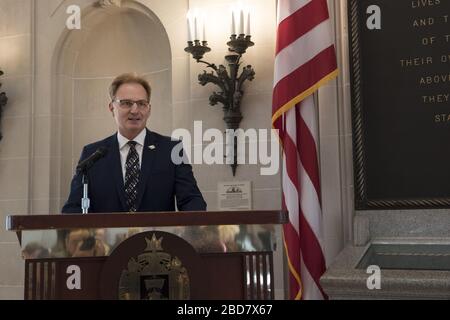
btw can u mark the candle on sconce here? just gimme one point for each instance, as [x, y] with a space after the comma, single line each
[233, 26]
[241, 22]
[248, 24]
[189, 28]
[195, 28]
[204, 28]
[203, 22]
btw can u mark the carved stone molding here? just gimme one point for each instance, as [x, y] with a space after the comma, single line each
[3, 101]
[109, 3]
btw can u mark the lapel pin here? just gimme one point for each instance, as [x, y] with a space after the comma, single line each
[152, 147]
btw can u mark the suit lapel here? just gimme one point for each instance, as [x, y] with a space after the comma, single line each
[148, 156]
[116, 169]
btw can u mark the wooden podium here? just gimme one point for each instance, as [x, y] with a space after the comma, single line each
[155, 255]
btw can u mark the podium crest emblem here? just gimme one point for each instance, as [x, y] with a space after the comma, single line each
[154, 275]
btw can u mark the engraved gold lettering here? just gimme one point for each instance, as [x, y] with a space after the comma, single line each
[428, 41]
[435, 79]
[424, 22]
[424, 3]
[444, 117]
[438, 98]
[415, 62]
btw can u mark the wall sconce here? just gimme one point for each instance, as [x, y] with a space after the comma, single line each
[3, 101]
[228, 81]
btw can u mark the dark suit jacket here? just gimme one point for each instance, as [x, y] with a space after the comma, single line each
[161, 181]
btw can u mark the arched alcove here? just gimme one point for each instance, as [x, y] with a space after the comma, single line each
[112, 40]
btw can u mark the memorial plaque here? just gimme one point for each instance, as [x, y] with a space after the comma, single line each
[400, 68]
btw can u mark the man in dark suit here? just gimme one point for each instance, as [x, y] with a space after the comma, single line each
[137, 173]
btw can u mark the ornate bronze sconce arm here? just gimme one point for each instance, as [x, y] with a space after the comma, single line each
[228, 80]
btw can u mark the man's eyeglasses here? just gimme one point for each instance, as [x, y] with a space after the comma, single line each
[128, 104]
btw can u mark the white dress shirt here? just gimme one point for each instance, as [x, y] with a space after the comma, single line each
[124, 148]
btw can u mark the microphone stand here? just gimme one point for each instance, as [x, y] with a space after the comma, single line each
[85, 202]
[84, 166]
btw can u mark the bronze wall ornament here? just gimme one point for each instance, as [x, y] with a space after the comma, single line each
[229, 81]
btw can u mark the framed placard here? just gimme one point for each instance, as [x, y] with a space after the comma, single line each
[234, 195]
[400, 70]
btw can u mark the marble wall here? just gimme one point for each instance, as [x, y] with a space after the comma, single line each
[15, 148]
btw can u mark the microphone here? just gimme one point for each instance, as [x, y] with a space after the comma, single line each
[87, 163]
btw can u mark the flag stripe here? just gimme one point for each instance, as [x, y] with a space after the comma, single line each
[288, 7]
[309, 204]
[299, 181]
[309, 113]
[290, 192]
[300, 22]
[294, 88]
[291, 237]
[311, 251]
[294, 56]
[307, 151]
[312, 290]
[293, 257]
[305, 218]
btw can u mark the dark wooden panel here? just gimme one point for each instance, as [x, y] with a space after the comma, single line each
[157, 219]
[222, 276]
[401, 103]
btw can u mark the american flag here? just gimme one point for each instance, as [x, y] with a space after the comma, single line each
[305, 60]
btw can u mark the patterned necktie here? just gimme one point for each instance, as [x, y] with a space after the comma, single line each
[131, 176]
